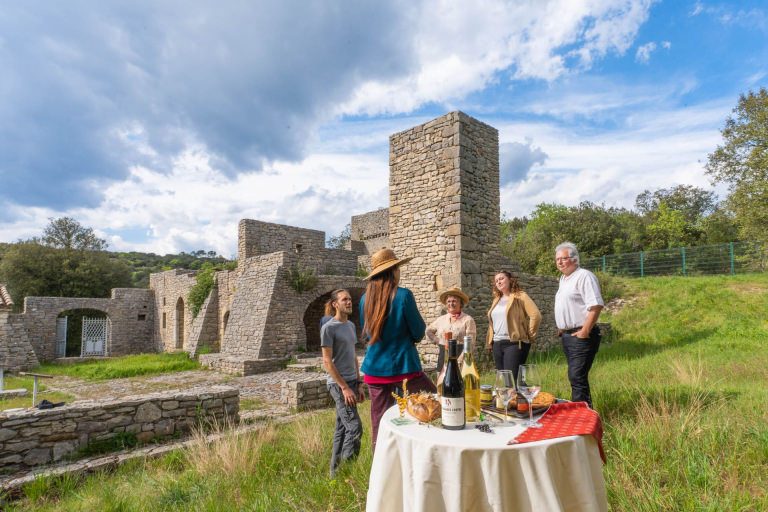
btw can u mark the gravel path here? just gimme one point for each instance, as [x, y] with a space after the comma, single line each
[259, 394]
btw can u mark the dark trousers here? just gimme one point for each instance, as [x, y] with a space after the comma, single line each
[509, 356]
[382, 399]
[580, 353]
[441, 355]
[349, 427]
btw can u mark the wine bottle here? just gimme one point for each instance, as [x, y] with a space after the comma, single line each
[452, 399]
[471, 382]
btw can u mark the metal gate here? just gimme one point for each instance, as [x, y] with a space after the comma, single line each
[61, 336]
[96, 333]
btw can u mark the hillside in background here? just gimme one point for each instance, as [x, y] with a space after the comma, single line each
[142, 264]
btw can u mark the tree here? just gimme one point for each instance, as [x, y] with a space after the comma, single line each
[339, 241]
[67, 233]
[32, 269]
[742, 163]
[692, 202]
[595, 229]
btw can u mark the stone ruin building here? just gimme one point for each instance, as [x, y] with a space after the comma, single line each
[443, 211]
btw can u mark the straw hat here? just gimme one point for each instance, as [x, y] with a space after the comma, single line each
[383, 259]
[455, 292]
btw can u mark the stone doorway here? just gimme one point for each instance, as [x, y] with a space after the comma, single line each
[315, 312]
[82, 333]
[180, 323]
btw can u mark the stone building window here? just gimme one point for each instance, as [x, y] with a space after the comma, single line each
[163, 317]
[141, 318]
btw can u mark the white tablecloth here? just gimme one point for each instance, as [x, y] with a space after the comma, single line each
[425, 468]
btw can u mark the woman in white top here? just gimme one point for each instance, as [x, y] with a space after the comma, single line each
[513, 322]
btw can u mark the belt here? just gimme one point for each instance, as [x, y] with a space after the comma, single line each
[571, 331]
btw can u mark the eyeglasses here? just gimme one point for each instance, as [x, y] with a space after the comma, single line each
[558, 260]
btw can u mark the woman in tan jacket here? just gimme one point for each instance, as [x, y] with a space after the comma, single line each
[513, 322]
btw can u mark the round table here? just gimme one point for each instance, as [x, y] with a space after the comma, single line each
[420, 467]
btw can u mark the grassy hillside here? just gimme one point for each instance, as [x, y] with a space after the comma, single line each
[682, 392]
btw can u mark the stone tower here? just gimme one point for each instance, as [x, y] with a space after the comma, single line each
[444, 211]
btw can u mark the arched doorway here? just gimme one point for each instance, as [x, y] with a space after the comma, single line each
[180, 323]
[314, 313]
[82, 333]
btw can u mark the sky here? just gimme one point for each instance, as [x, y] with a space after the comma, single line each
[161, 124]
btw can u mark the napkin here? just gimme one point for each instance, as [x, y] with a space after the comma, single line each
[567, 419]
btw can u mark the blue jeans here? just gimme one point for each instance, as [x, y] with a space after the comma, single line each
[349, 427]
[580, 353]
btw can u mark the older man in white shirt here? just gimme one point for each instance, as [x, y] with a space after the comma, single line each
[577, 307]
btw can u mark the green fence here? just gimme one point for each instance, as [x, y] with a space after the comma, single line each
[731, 258]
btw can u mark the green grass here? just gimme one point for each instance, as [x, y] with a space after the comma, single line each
[26, 401]
[122, 367]
[682, 391]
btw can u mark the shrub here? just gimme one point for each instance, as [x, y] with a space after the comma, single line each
[199, 292]
[361, 271]
[301, 278]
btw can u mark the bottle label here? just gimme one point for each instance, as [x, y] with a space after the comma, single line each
[452, 411]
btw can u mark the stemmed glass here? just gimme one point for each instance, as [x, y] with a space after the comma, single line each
[529, 385]
[505, 388]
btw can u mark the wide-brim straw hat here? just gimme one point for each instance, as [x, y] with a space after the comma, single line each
[455, 292]
[384, 259]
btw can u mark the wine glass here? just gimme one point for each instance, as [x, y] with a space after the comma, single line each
[505, 388]
[529, 385]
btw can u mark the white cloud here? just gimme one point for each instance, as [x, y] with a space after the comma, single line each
[522, 40]
[655, 149]
[644, 52]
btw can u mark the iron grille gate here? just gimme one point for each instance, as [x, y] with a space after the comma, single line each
[96, 333]
[61, 336]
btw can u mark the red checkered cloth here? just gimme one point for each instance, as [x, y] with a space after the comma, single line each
[567, 419]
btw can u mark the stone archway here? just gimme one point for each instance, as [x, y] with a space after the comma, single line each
[82, 332]
[314, 313]
[180, 323]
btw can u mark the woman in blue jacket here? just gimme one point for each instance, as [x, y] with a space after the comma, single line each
[392, 326]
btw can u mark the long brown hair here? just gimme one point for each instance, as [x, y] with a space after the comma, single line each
[329, 309]
[514, 286]
[378, 296]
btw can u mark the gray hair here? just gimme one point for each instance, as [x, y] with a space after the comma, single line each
[573, 252]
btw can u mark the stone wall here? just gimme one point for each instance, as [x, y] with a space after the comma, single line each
[307, 394]
[30, 437]
[235, 365]
[130, 310]
[256, 238]
[205, 327]
[444, 211]
[16, 353]
[369, 232]
[267, 315]
[542, 290]
[173, 319]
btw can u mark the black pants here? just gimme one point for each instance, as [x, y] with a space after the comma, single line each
[509, 356]
[441, 355]
[580, 353]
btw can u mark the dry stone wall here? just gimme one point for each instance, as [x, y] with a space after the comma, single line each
[256, 238]
[369, 232]
[173, 319]
[444, 211]
[16, 353]
[130, 311]
[205, 327]
[31, 437]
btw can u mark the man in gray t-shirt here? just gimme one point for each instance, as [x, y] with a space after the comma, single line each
[337, 341]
